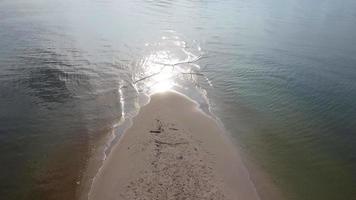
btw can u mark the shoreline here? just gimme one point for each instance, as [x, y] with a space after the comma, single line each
[173, 150]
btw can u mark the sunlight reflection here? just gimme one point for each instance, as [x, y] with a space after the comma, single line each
[161, 65]
[168, 64]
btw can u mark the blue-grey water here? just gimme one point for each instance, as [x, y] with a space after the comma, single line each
[279, 74]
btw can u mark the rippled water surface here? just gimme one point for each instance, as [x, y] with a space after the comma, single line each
[279, 74]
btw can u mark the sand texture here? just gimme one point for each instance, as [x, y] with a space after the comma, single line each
[173, 151]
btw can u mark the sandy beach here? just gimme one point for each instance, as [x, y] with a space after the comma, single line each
[173, 151]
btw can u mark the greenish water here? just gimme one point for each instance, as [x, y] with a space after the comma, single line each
[280, 75]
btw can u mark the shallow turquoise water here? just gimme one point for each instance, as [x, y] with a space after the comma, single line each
[280, 75]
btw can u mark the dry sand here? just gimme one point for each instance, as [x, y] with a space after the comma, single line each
[173, 151]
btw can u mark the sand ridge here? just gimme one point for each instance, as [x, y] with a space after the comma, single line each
[178, 168]
[173, 151]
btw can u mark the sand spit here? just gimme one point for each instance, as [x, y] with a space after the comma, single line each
[173, 151]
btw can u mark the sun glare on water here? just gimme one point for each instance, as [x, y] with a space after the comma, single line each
[167, 65]
[161, 67]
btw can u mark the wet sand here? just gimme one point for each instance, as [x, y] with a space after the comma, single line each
[173, 151]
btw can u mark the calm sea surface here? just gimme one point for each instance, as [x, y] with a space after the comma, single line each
[279, 74]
